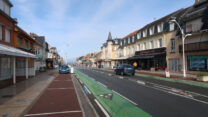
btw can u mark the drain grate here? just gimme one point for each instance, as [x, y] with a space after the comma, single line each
[7, 96]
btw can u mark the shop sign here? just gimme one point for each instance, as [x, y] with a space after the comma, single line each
[135, 64]
[159, 50]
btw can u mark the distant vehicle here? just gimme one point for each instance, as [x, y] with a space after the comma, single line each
[125, 69]
[64, 69]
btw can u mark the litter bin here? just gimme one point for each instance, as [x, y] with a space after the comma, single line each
[72, 70]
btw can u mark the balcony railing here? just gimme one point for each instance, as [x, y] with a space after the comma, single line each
[194, 47]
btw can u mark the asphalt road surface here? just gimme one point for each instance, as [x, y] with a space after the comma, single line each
[158, 98]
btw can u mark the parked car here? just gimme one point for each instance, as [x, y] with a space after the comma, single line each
[64, 69]
[125, 69]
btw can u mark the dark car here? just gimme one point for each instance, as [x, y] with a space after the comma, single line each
[125, 69]
[64, 69]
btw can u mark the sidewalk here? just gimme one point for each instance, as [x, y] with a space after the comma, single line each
[58, 100]
[15, 99]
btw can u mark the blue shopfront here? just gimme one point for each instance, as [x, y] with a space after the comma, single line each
[198, 63]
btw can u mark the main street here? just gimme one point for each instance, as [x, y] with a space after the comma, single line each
[159, 98]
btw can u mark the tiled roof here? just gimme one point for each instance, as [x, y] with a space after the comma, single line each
[129, 35]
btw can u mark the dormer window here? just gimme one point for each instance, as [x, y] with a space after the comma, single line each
[133, 39]
[145, 33]
[160, 27]
[139, 35]
[4, 6]
[171, 26]
[151, 30]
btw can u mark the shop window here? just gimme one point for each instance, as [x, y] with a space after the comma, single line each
[172, 45]
[197, 63]
[174, 65]
[5, 68]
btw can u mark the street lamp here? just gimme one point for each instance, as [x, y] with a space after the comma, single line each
[173, 20]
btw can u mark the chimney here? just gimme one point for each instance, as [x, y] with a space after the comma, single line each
[15, 19]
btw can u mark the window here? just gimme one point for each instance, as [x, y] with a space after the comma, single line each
[31, 45]
[139, 35]
[160, 28]
[151, 30]
[132, 39]
[172, 45]
[145, 33]
[128, 40]
[138, 47]
[151, 44]
[7, 35]
[0, 32]
[144, 46]
[19, 41]
[171, 26]
[26, 43]
[189, 28]
[5, 7]
[160, 43]
[116, 42]
[129, 51]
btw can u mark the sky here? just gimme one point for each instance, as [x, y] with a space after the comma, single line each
[78, 27]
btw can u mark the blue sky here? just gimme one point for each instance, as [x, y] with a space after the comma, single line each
[77, 27]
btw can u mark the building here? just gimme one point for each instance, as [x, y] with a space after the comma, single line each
[109, 52]
[194, 22]
[24, 42]
[9, 55]
[41, 40]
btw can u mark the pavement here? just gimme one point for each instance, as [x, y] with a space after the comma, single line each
[47, 94]
[156, 97]
[15, 99]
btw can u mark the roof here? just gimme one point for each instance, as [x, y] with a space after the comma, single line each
[10, 51]
[25, 33]
[129, 35]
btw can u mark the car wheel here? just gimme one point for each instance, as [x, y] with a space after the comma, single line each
[122, 73]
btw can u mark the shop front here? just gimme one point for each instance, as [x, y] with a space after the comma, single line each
[147, 59]
[198, 63]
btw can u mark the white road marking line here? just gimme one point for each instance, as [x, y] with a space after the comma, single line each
[101, 107]
[176, 94]
[60, 88]
[125, 97]
[80, 81]
[53, 113]
[141, 82]
[87, 90]
[121, 77]
[102, 84]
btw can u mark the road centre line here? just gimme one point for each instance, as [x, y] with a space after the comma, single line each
[101, 107]
[53, 113]
[125, 97]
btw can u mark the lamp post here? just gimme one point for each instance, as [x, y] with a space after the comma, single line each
[173, 20]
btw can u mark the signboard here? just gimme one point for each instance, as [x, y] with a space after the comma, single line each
[135, 64]
[159, 50]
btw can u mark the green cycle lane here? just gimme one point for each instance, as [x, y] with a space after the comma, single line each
[117, 106]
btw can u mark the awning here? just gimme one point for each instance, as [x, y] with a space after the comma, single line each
[10, 51]
[121, 58]
[146, 56]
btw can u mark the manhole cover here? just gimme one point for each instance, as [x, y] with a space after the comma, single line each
[7, 96]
